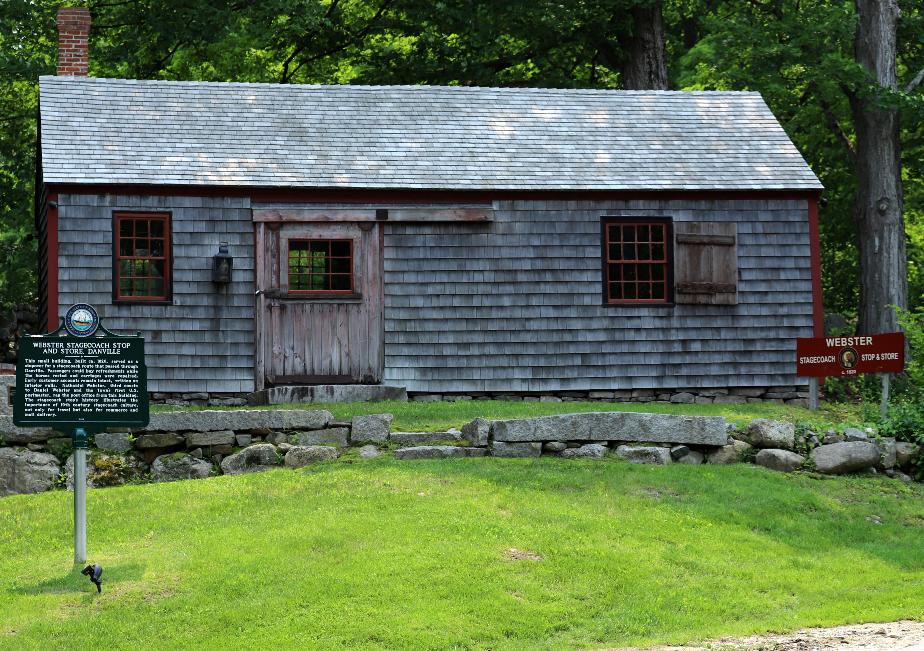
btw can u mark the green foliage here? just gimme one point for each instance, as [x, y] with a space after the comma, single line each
[905, 422]
[913, 325]
[111, 470]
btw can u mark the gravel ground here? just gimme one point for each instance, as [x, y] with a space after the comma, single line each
[890, 636]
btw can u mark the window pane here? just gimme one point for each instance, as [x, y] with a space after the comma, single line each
[125, 287]
[141, 227]
[126, 247]
[628, 252]
[615, 272]
[657, 272]
[125, 227]
[297, 245]
[340, 248]
[629, 272]
[644, 291]
[644, 272]
[643, 233]
[657, 290]
[615, 291]
[644, 252]
[157, 268]
[318, 282]
[157, 228]
[614, 252]
[628, 233]
[340, 282]
[629, 291]
[657, 233]
[340, 265]
[320, 246]
[157, 287]
[157, 248]
[657, 252]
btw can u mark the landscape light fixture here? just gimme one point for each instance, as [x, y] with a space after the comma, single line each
[94, 573]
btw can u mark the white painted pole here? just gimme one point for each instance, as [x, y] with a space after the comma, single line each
[813, 393]
[80, 497]
[884, 405]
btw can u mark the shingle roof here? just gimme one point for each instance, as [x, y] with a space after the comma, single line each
[113, 131]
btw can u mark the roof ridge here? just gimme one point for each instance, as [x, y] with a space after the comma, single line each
[368, 87]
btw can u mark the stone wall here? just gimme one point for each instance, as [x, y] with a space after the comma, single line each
[199, 444]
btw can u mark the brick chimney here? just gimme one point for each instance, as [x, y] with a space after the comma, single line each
[73, 41]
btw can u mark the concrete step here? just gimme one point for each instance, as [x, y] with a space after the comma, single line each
[321, 393]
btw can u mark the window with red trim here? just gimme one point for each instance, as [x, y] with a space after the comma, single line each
[636, 261]
[141, 264]
[321, 266]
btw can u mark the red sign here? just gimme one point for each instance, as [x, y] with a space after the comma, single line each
[824, 356]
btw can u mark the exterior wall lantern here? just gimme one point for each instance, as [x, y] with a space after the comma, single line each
[222, 263]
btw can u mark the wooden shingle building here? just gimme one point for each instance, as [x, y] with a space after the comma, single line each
[447, 240]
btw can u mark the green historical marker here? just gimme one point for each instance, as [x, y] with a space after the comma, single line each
[81, 379]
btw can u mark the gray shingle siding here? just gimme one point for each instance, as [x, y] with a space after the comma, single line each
[109, 131]
[516, 305]
[203, 341]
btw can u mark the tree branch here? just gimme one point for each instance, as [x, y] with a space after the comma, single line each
[915, 82]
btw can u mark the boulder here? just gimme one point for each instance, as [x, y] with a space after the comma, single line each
[904, 453]
[854, 434]
[477, 432]
[781, 460]
[515, 450]
[61, 447]
[107, 470]
[339, 436]
[683, 398]
[369, 452]
[301, 455]
[679, 451]
[438, 452]
[199, 439]
[588, 451]
[408, 439]
[256, 458]
[732, 453]
[730, 400]
[10, 433]
[771, 434]
[849, 456]
[174, 467]
[613, 426]
[370, 429]
[888, 453]
[114, 442]
[243, 440]
[692, 458]
[158, 440]
[644, 454]
[26, 471]
[208, 420]
[554, 447]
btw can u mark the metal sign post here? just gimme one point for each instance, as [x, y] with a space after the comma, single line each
[884, 404]
[80, 495]
[81, 379]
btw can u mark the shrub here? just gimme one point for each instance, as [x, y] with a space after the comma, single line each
[906, 423]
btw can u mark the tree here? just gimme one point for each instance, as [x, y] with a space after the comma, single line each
[878, 207]
[645, 67]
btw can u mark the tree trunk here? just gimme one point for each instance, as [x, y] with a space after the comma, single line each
[646, 63]
[878, 207]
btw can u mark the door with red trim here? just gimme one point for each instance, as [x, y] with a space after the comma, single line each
[319, 303]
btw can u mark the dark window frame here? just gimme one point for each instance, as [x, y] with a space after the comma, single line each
[329, 274]
[167, 218]
[668, 223]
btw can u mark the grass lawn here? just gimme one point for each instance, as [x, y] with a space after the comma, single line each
[416, 416]
[417, 555]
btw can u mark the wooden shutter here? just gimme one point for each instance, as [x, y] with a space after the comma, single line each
[706, 263]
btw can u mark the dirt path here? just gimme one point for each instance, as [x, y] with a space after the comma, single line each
[890, 636]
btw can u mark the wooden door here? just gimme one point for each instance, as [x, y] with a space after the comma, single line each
[319, 303]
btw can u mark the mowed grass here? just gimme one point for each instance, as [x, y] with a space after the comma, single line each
[418, 416]
[417, 555]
